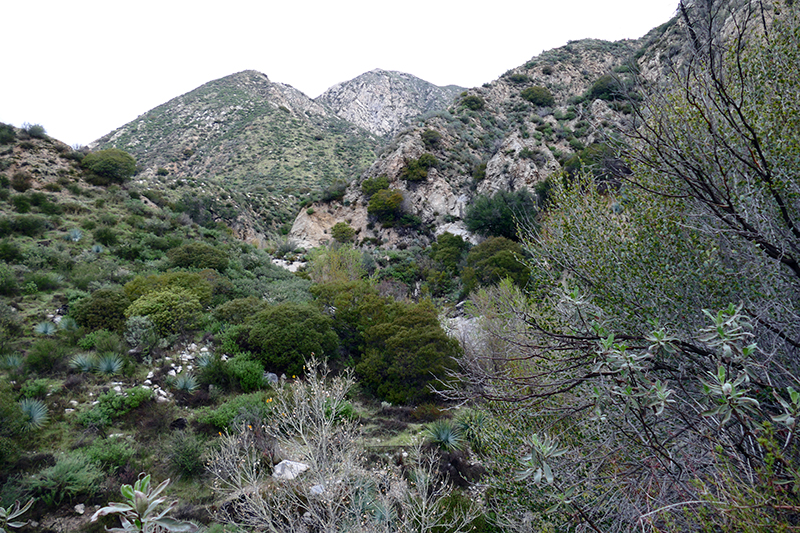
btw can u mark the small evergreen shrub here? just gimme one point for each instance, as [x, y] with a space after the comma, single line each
[36, 131]
[7, 133]
[473, 102]
[246, 373]
[417, 169]
[103, 309]
[45, 355]
[198, 255]
[185, 452]
[431, 139]
[171, 310]
[21, 181]
[386, 205]
[372, 185]
[343, 232]
[111, 453]
[73, 476]
[538, 95]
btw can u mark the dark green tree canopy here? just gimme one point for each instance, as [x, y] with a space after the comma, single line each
[538, 95]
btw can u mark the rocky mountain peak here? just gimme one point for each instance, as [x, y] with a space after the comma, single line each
[385, 101]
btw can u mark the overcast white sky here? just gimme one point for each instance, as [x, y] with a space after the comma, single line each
[84, 67]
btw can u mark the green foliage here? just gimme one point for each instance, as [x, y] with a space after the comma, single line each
[141, 332]
[103, 309]
[185, 453]
[36, 131]
[139, 513]
[7, 133]
[538, 95]
[449, 250]
[8, 281]
[171, 310]
[239, 310]
[493, 260]
[108, 166]
[106, 236]
[405, 353]
[45, 355]
[500, 215]
[372, 185]
[111, 453]
[256, 404]
[518, 77]
[431, 139]
[198, 255]
[246, 373]
[386, 205]
[73, 476]
[479, 172]
[607, 87]
[36, 388]
[473, 102]
[21, 181]
[343, 232]
[417, 169]
[111, 406]
[198, 284]
[282, 336]
[335, 263]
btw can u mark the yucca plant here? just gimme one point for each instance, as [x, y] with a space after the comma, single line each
[204, 359]
[83, 362]
[109, 363]
[35, 413]
[445, 435]
[138, 512]
[10, 513]
[45, 328]
[68, 324]
[472, 425]
[186, 382]
[11, 361]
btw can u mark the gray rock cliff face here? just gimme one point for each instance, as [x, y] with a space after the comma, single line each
[383, 102]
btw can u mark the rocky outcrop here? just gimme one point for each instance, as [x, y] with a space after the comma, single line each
[384, 102]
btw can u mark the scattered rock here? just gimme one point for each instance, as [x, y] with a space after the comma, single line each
[288, 469]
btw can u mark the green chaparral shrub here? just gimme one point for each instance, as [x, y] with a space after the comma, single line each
[538, 95]
[111, 405]
[223, 417]
[108, 166]
[103, 309]
[196, 283]
[45, 355]
[449, 250]
[283, 336]
[171, 310]
[493, 260]
[417, 169]
[111, 453]
[245, 372]
[405, 353]
[8, 281]
[500, 214]
[473, 102]
[606, 87]
[73, 476]
[372, 185]
[36, 131]
[239, 310]
[21, 181]
[185, 452]
[343, 232]
[198, 255]
[7, 133]
[386, 205]
[106, 236]
[431, 138]
[13, 424]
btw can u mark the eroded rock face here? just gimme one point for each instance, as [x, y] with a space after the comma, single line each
[383, 102]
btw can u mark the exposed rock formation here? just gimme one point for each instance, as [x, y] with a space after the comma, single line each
[383, 102]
